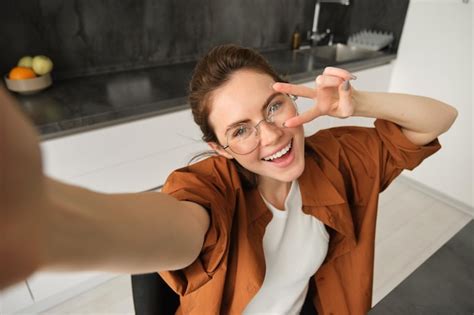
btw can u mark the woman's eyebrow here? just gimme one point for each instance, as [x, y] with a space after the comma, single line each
[269, 99]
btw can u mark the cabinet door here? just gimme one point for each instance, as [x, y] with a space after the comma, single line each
[435, 60]
[88, 152]
[15, 298]
[129, 157]
[141, 174]
[52, 288]
[45, 284]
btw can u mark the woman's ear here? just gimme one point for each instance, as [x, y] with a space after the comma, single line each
[214, 146]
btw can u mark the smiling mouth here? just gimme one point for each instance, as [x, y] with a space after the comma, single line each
[278, 155]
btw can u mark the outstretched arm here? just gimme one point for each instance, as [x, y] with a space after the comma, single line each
[46, 224]
[132, 233]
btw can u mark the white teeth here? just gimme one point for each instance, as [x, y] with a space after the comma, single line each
[279, 153]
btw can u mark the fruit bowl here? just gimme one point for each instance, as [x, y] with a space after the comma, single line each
[29, 86]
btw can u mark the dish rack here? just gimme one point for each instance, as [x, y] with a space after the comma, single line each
[370, 39]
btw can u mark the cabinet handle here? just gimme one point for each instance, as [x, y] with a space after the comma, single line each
[465, 1]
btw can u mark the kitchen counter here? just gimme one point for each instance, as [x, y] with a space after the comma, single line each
[81, 104]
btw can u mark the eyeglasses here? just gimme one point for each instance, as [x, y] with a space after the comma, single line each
[245, 137]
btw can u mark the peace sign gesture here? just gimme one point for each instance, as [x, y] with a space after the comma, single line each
[332, 96]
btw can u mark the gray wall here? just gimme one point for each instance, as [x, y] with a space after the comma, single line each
[95, 36]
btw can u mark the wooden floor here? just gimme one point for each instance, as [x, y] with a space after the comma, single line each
[411, 226]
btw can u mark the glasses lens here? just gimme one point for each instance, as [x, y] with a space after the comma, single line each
[280, 111]
[244, 138]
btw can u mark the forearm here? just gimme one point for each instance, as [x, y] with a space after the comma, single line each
[421, 116]
[132, 233]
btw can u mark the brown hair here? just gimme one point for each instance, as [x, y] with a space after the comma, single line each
[213, 71]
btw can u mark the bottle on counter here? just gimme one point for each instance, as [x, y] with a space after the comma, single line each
[296, 38]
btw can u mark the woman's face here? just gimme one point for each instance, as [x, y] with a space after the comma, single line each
[245, 98]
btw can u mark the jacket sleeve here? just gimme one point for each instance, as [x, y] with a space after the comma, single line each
[398, 152]
[210, 190]
[363, 153]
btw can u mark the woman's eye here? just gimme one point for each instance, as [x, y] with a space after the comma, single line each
[240, 131]
[273, 108]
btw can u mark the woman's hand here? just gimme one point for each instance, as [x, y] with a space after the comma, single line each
[22, 193]
[332, 96]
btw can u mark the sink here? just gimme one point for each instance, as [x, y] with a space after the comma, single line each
[341, 53]
[300, 64]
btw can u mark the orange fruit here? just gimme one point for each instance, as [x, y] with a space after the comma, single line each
[21, 73]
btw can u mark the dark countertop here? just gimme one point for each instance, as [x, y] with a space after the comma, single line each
[81, 104]
[444, 284]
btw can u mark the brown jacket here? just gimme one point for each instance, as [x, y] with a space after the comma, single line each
[340, 186]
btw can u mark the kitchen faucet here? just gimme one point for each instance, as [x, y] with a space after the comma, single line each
[314, 35]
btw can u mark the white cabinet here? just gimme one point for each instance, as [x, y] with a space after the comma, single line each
[45, 284]
[128, 157]
[49, 288]
[435, 59]
[375, 79]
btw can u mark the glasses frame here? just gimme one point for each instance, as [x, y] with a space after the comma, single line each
[293, 98]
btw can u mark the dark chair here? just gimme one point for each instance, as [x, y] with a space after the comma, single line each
[152, 296]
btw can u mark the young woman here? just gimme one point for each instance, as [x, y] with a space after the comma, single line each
[273, 219]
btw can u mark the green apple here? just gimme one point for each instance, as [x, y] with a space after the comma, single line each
[26, 61]
[42, 65]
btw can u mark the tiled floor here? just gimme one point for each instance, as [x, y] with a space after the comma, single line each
[444, 284]
[411, 226]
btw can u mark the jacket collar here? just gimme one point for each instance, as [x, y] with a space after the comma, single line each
[316, 188]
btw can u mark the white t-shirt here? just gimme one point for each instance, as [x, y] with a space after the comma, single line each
[295, 245]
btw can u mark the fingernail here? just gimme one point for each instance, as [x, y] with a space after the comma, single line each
[353, 77]
[346, 85]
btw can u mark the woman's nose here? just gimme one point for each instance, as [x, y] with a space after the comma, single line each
[269, 133]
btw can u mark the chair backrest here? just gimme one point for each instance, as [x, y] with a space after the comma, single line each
[152, 296]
